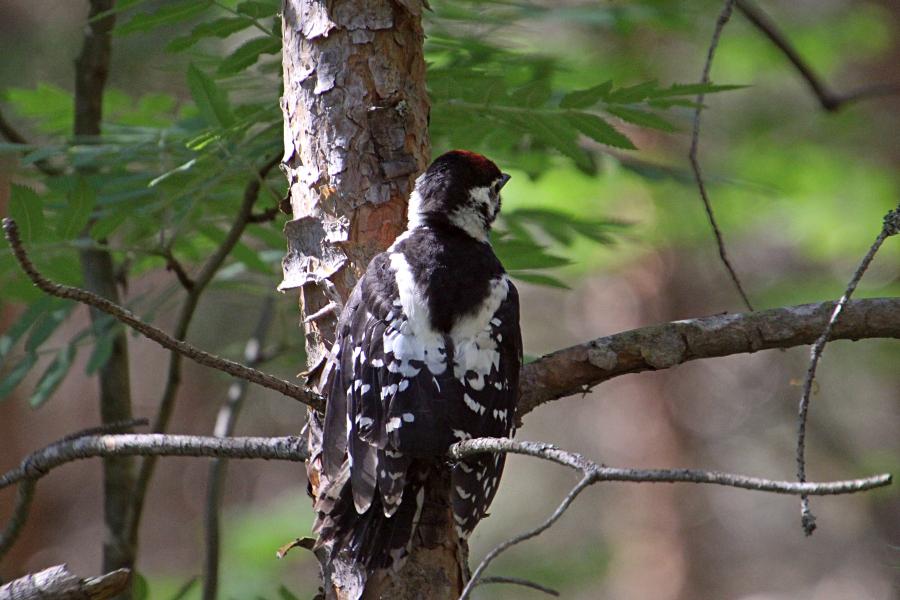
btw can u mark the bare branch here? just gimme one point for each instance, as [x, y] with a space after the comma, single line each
[21, 510]
[39, 463]
[600, 472]
[724, 16]
[575, 369]
[58, 583]
[593, 472]
[830, 100]
[225, 423]
[891, 226]
[173, 264]
[563, 506]
[25, 493]
[265, 216]
[522, 582]
[157, 335]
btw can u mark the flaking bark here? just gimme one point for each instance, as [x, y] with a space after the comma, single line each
[356, 136]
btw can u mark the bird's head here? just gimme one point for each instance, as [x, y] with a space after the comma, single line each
[460, 188]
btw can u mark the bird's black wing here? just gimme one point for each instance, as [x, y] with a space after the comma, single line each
[388, 392]
[491, 397]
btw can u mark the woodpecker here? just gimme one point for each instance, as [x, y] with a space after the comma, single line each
[427, 352]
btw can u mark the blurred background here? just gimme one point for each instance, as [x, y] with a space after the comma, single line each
[618, 239]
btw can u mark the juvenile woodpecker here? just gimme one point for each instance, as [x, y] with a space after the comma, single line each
[427, 353]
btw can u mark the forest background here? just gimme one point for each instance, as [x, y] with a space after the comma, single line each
[602, 238]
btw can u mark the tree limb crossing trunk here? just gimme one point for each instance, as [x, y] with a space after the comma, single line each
[356, 136]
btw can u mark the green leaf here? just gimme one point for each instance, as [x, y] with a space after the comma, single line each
[693, 89]
[210, 100]
[257, 9]
[586, 98]
[46, 324]
[286, 594]
[598, 130]
[185, 588]
[120, 6]
[631, 94]
[103, 347]
[24, 322]
[49, 106]
[247, 54]
[533, 95]
[27, 209]
[53, 376]
[555, 131]
[241, 252]
[104, 226]
[220, 28]
[17, 374]
[538, 279]
[597, 231]
[140, 589]
[169, 14]
[81, 199]
[518, 254]
[641, 117]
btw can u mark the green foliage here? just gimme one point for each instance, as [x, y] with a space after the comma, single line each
[139, 588]
[163, 171]
[171, 13]
[26, 207]
[506, 104]
[211, 101]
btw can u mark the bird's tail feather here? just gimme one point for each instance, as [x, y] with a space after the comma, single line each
[356, 545]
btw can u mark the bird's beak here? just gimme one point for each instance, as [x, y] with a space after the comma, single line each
[504, 177]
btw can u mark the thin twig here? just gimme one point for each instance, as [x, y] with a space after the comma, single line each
[593, 472]
[41, 462]
[185, 316]
[496, 551]
[603, 473]
[157, 335]
[265, 216]
[172, 264]
[21, 509]
[225, 424]
[724, 16]
[522, 582]
[891, 226]
[828, 99]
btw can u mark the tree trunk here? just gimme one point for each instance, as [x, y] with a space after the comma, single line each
[91, 70]
[356, 136]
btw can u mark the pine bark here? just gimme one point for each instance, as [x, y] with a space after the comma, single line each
[355, 137]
